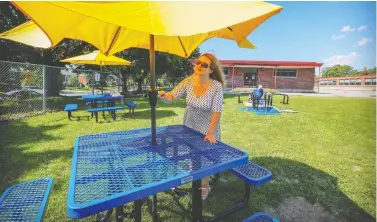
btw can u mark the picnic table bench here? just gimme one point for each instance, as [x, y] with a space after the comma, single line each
[70, 108]
[26, 201]
[252, 175]
[112, 109]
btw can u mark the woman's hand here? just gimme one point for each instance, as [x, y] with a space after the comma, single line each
[210, 138]
[161, 93]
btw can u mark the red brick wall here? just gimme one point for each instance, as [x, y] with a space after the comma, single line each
[304, 79]
[238, 77]
[265, 78]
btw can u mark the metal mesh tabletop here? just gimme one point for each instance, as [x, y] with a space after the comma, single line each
[25, 201]
[111, 169]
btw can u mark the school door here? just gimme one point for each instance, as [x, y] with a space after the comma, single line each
[250, 77]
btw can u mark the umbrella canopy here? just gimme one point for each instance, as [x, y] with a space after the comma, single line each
[30, 34]
[97, 58]
[107, 24]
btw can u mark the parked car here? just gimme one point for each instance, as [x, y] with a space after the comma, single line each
[25, 92]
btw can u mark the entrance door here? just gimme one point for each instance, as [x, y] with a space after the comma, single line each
[250, 77]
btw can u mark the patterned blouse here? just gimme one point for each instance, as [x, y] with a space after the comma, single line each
[199, 109]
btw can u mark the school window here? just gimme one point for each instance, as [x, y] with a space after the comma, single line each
[353, 82]
[341, 81]
[370, 81]
[346, 82]
[358, 82]
[286, 73]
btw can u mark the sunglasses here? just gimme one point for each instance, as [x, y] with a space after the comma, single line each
[202, 64]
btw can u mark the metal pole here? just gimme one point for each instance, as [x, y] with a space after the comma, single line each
[319, 78]
[153, 91]
[276, 73]
[44, 89]
[153, 102]
[232, 77]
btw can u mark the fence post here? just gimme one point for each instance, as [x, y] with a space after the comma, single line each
[44, 90]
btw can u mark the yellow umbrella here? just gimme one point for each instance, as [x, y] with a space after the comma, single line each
[147, 24]
[30, 34]
[107, 25]
[97, 58]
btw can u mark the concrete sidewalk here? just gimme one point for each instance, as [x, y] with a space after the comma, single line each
[348, 93]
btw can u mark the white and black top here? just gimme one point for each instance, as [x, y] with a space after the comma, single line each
[199, 109]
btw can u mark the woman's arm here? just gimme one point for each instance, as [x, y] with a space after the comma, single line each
[215, 119]
[177, 93]
[217, 106]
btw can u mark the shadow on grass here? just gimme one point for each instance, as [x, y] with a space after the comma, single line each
[16, 158]
[291, 180]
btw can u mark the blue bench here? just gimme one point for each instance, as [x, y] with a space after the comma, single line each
[112, 109]
[259, 217]
[252, 175]
[70, 108]
[25, 201]
[131, 105]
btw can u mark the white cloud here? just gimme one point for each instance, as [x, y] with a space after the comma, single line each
[337, 37]
[341, 59]
[363, 27]
[363, 41]
[347, 28]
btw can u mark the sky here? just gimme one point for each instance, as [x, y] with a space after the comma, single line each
[327, 32]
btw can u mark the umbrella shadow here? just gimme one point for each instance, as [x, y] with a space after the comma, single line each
[296, 192]
[16, 158]
[293, 184]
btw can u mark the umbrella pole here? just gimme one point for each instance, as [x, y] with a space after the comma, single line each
[100, 74]
[152, 91]
[153, 102]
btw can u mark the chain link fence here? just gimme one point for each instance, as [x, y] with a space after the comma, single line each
[31, 89]
[21, 89]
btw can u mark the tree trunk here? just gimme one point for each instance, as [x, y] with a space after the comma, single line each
[139, 85]
[124, 85]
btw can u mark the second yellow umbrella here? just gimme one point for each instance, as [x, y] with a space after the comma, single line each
[97, 58]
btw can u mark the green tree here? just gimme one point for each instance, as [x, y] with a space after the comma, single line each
[18, 52]
[73, 81]
[339, 70]
[369, 71]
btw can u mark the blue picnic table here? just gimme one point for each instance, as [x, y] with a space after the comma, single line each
[94, 99]
[112, 169]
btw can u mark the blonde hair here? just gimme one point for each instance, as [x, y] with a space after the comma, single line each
[217, 72]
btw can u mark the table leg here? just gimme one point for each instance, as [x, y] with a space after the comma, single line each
[119, 214]
[196, 213]
[154, 208]
[137, 208]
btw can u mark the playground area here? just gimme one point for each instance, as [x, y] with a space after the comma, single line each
[90, 132]
[322, 158]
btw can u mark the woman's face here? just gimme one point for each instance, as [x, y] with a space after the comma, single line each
[202, 66]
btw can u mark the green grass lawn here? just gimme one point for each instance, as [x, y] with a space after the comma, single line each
[325, 154]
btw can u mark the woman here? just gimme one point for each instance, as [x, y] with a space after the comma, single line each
[204, 98]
